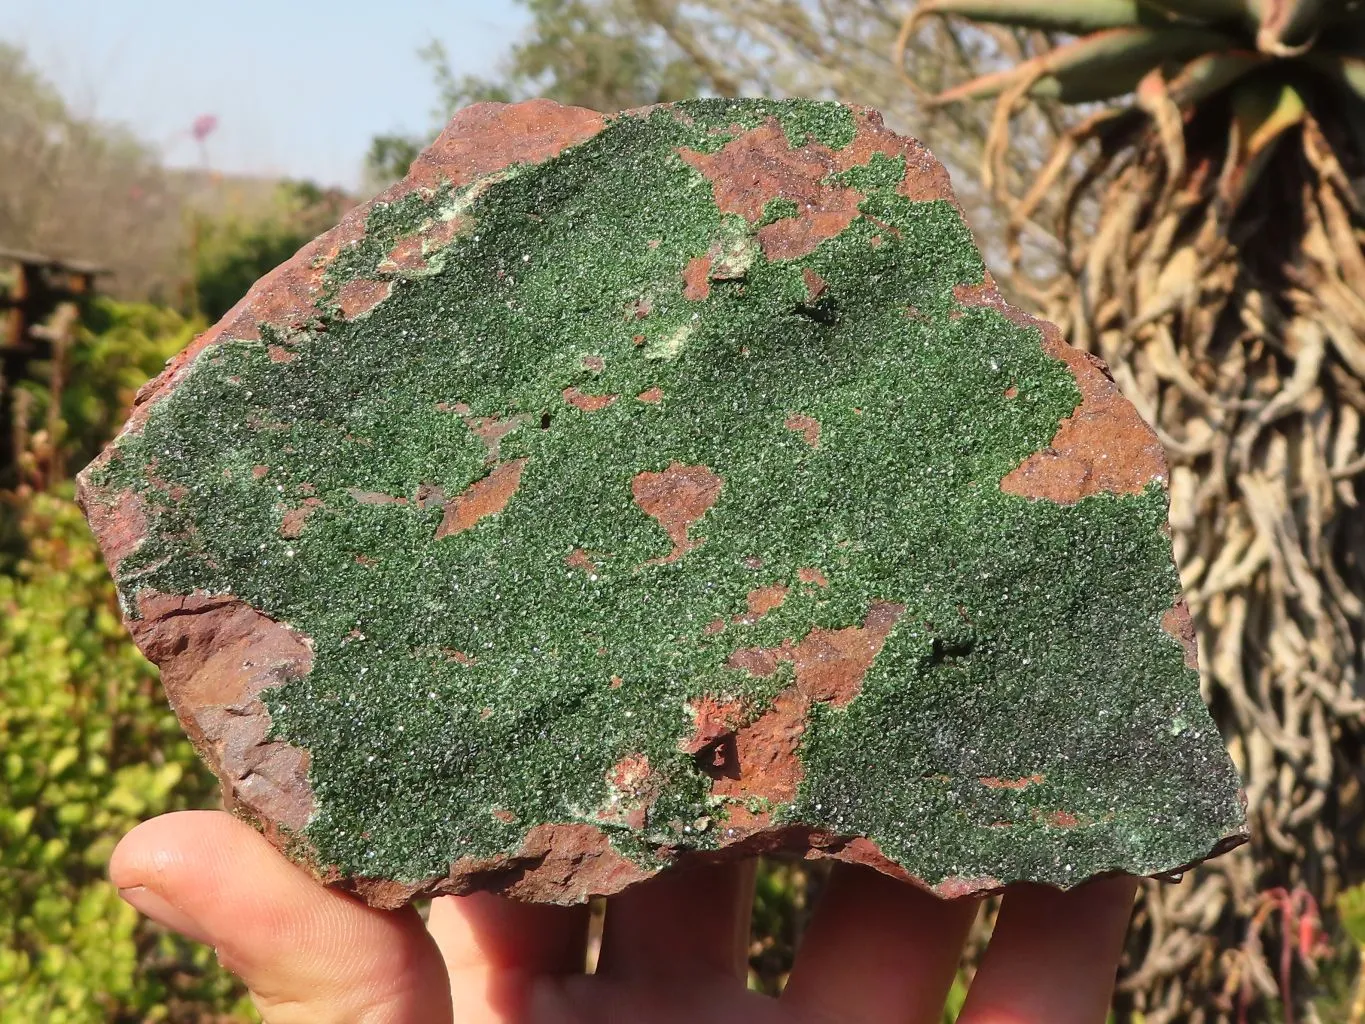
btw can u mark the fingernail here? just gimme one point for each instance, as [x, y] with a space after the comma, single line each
[144, 901]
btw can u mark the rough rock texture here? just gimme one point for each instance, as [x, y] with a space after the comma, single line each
[676, 486]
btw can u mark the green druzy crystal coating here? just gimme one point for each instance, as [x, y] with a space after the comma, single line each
[472, 681]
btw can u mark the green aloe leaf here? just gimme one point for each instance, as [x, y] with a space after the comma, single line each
[1349, 75]
[1208, 11]
[1349, 72]
[1262, 113]
[1289, 27]
[1343, 34]
[1078, 16]
[1099, 66]
[1210, 73]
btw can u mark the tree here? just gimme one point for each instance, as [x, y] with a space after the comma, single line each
[83, 189]
[615, 54]
[605, 54]
[232, 252]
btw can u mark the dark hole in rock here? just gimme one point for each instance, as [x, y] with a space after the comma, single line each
[949, 649]
[720, 758]
[823, 311]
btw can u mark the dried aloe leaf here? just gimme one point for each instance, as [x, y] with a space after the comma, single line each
[1096, 67]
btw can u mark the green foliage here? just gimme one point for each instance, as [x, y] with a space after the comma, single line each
[1350, 907]
[116, 348]
[88, 747]
[120, 346]
[231, 254]
[783, 894]
[602, 54]
[390, 156]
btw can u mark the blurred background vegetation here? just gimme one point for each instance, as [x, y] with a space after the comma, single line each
[1220, 334]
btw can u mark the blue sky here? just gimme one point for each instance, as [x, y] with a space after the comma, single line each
[299, 86]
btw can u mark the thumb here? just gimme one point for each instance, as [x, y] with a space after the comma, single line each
[306, 953]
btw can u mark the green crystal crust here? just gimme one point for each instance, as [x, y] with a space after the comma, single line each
[468, 686]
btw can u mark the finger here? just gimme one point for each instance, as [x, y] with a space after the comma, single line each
[674, 1000]
[306, 953]
[1053, 956]
[878, 951]
[495, 949]
[686, 921]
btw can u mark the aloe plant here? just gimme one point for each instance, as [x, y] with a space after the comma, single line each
[1210, 226]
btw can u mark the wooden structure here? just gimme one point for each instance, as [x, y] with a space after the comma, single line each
[33, 289]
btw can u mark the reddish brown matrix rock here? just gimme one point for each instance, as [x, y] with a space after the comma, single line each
[670, 487]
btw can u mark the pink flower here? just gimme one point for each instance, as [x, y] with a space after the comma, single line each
[204, 126]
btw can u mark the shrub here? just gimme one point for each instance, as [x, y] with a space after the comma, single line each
[121, 345]
[231, 253]
[88, 747]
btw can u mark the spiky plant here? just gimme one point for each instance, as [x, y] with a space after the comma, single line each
[1206, 195]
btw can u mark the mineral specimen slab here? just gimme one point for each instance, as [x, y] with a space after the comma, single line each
[618, 492]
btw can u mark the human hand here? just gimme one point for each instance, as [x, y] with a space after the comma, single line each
[877, 951]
